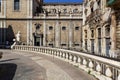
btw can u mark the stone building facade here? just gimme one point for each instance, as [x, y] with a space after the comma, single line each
[99, 33]
[41, 24]
[115, 24]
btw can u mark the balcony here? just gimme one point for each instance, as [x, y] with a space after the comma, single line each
[113, 3]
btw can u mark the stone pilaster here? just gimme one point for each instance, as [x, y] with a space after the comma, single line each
[29, 8]
[113, 30]
[44, 35]
[29, 32]
[113, 35]
[57, 34]
[5, 8]
[70, 34]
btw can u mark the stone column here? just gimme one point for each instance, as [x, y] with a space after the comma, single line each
[57, 34]
[44, 34]
[70, 34]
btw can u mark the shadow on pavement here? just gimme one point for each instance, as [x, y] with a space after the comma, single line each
[9, 60]
[7, 71]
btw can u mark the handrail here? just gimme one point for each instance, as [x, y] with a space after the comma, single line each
[102, 68]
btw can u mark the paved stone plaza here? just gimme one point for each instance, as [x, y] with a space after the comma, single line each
[33, 66]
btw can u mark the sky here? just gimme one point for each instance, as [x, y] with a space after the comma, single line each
[70, 1]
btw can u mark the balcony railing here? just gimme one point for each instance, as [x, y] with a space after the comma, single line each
[101, 68]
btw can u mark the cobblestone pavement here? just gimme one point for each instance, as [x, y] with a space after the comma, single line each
[36, 66]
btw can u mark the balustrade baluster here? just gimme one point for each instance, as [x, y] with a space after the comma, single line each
[84, 62]
[79, 61]
[75, 60]
[108, 72]
[118, 78]
[64, 55]
[70, 58]
[98, 68]
[90, 64]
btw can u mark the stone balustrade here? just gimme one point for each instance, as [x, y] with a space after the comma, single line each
[101, 68]
[57, 16]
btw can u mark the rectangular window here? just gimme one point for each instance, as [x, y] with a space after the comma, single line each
[63, 28]
[0, 5]
[63, 44]
[77, 28]
[50, 28]
[16, 5]
[76, 44]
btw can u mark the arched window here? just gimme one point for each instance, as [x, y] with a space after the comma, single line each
[92, 33]
[99, 32]
[16, 5]
[0, 5]
[107, 30]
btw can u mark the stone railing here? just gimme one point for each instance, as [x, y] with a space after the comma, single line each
[57, 16]
[101, 68]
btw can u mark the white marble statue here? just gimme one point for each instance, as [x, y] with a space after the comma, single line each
[18, 36]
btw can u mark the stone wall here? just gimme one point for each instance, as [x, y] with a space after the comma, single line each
[13, 26]
[11, 13]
